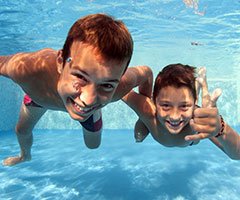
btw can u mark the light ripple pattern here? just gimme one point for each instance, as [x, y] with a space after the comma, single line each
[120, 169]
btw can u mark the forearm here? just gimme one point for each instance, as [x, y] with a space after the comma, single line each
[130, 98]
[230, 142]
[135, 76]
[146, 82]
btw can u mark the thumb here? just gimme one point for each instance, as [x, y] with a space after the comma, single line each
[191, 123]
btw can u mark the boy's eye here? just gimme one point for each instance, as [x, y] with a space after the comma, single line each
[107, 87]
[81, 77]
[165, 106]
[184, 107]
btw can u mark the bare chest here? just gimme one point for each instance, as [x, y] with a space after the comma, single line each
[161, 135]
[43, 91]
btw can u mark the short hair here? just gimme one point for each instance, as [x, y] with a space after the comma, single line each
[176, 75]
[111, 37]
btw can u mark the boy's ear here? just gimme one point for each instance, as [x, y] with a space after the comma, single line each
[59, 62]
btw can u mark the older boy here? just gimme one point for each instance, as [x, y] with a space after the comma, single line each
[172, 117]
[88, 73]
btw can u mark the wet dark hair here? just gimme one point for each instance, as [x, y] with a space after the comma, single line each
[111, 37]
[176, 75]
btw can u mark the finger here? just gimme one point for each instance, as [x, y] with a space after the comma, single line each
[205, 112]
[202, 128]
[201, 74]
[198, 82]
[210, 121]
[199, 136]
[214, 97]
[202, 71]
[197, 88]
[202, 79]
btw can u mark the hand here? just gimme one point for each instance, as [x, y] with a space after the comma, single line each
[140, 131]
[206, 120]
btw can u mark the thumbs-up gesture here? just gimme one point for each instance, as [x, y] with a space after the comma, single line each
[206, 120]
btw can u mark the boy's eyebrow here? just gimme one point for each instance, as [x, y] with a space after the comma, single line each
[86, 74]
[163, 100]
[167, 101]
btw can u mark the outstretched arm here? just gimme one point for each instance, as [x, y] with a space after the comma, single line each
[142, 105]
[3, 63]
[140, 76]
[209, 124]
[145, 109]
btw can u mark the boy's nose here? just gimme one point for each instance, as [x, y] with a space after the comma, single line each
[89, 95]
[175, 115]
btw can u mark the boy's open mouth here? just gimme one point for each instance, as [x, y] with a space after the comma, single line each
[175, 124]
[81, 110]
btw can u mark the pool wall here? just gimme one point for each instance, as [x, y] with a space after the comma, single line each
[163, 33]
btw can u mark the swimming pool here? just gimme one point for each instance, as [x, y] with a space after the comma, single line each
[164, 32]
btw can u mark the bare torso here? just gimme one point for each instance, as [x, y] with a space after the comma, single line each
[36, 73]
[162, 135]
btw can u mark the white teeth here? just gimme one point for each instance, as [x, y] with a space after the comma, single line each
[174, 123]
[82, 109]
[78, 106]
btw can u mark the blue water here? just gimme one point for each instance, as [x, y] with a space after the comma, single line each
[63, 168]
[163, 32]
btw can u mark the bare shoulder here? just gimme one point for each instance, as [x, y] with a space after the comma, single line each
[23, 64]
[47, 52]
[34, 57]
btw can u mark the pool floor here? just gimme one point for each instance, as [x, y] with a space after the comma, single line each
[120, 169]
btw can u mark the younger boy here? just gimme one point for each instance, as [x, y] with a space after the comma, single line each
[88, 73]
[172, 116]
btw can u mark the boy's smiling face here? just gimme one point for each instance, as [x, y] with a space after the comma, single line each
[87, 81]
[174, 108]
